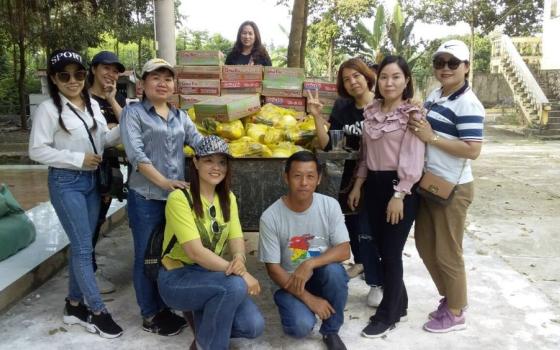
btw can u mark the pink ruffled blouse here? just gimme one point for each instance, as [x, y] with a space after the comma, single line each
[387, 144]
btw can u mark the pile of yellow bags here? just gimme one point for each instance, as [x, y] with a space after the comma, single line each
[272, 132]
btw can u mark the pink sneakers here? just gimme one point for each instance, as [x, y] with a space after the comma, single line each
[439, 311]
[446, 321]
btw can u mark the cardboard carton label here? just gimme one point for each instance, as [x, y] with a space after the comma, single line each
[285, 101]
[274, 73]
[187, 101]
[198, 86]
[242, 72]
[232, 84]
[200, 58]
[320, 86]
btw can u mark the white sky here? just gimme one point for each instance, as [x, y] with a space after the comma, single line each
[225, 16]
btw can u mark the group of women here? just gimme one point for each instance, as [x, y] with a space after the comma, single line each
[397, 139]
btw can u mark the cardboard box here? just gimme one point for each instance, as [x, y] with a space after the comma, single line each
[187, 101]
[241, 91]
[240, 84]
[198, 87]
[200, 58]
[277, 73]
[286, 101]
[242, 72]
[282, 88]
[325, 89]
[227, 108]
[198, 72]
[174, 100]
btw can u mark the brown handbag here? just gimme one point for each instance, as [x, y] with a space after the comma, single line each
[436, 189]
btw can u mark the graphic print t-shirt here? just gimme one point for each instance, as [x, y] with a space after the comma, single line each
[289, 238]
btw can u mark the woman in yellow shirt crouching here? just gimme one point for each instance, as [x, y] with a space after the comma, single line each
[195, 276]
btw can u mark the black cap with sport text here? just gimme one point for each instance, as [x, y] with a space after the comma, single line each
[61, 58]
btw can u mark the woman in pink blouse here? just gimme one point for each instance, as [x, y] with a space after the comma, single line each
[391, 164]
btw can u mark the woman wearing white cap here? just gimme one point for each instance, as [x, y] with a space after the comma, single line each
[453, 133]
[154, 134]
[200, 224]
[69, 134]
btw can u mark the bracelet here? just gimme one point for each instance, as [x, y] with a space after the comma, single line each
[434, 139]
[242, 255]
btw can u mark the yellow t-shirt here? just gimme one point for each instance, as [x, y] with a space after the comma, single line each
[180, 219]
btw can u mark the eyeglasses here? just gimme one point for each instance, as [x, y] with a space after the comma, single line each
[215, 226]
[453, 63]
[64, 77]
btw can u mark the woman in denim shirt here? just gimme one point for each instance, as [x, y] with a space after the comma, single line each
[154, 134]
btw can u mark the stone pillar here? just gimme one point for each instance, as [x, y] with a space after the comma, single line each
[164, 28]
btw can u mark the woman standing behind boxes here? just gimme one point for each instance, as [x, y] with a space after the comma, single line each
[154, 134]
[248, 49]
[354, 83]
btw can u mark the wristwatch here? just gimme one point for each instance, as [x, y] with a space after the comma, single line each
[399, 195]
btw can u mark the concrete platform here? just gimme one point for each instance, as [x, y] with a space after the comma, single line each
[506, 311]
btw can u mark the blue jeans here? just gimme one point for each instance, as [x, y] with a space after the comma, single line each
[75, 199]
[143, 216]
[329, 282]
[221, 306]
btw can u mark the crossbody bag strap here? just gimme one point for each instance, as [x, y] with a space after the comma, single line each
[85, 125]
[174, 238]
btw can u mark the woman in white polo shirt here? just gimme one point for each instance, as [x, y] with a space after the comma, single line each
[453, 133]
[69, 134]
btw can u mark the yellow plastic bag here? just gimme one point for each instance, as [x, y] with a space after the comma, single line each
[273, 136]
[230, 130]
[188, 151]
[256, 131]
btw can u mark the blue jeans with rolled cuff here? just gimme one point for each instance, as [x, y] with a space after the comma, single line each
[221, 305]
[143, 216]
[75, 199]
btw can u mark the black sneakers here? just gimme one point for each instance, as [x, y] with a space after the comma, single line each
[333, 342]
[376, 329]
[75, 314]
[103, 325]
[165, 323]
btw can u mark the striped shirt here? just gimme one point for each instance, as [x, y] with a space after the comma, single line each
[459, 116]
[150, 139]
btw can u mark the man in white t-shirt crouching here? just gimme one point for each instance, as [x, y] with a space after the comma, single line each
[303, 241]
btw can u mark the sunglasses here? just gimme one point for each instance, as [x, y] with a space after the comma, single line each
[64, 77]
[215, 226]
[452, 63]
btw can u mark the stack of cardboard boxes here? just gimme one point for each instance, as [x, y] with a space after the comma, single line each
[198, 76]
[241, 80]
[283, 87]
[327, 94]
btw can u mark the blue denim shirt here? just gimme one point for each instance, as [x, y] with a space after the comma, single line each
[150, 139]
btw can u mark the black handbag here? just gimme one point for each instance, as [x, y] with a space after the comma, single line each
[110, 180]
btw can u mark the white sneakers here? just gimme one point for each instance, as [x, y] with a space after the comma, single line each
[105, 286]
[374, 296]
[355, 270]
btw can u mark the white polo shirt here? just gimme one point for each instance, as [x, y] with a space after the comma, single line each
[459, 116]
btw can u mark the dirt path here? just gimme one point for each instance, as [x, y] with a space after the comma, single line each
[516, 210]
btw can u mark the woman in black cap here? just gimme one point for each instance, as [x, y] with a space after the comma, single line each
[102, 79]
[69, 134]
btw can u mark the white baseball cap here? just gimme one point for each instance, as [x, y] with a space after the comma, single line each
[155, 64]
[456, 48]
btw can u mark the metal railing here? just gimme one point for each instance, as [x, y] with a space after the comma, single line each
[505, 51]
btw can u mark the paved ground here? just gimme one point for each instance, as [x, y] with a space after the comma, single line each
[511, 252]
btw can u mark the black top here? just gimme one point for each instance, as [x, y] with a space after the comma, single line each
[241, 59]
[106, 108]
[345, 116]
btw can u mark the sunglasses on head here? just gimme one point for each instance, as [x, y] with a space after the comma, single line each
[215, 226]
[64, 77]
[453, 63]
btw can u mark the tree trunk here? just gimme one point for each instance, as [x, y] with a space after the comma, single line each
[22, 65]
[140, 53]
[304, 36]
[471, 68]
[296, 33]
[330, 60]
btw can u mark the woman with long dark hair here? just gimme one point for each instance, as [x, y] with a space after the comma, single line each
[248, 48]
[201, 223]
[390, 166]
[69, 134]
